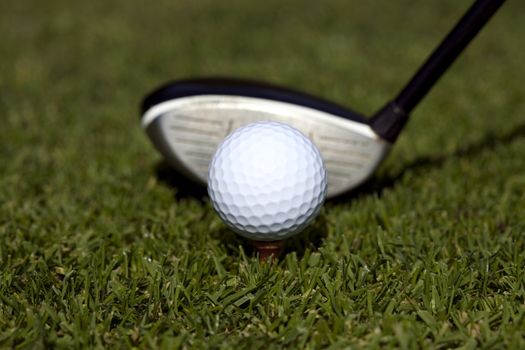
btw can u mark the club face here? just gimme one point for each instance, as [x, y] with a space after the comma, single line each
[187, 131]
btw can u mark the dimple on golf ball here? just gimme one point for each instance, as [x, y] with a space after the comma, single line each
[267, 181]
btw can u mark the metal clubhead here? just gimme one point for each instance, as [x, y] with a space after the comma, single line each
[188, 127]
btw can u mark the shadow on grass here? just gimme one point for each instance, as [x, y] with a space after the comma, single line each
[184, 188]
[309, 240]
[378, 185]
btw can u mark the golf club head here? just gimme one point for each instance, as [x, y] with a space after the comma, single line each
[187, 120]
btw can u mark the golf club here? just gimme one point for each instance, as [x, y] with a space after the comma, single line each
[187, 119]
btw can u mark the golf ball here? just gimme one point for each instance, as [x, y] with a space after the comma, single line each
[267, 181]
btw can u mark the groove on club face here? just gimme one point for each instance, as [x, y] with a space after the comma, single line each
[188, 130]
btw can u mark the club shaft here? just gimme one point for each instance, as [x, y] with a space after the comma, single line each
[443, 56]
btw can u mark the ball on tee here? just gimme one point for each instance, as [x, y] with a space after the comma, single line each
[267, 181]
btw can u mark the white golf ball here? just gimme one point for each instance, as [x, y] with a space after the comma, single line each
[267, 181]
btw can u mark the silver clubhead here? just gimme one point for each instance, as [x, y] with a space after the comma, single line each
[188, 129]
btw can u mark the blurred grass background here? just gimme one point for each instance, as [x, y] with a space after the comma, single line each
[98, 251]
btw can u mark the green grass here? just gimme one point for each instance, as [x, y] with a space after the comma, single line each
[100, 249]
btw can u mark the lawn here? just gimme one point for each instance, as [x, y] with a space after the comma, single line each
[102, 246]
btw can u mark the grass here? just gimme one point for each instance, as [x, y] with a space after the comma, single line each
[101, 247]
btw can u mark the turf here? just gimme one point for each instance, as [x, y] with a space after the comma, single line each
[103, 247]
